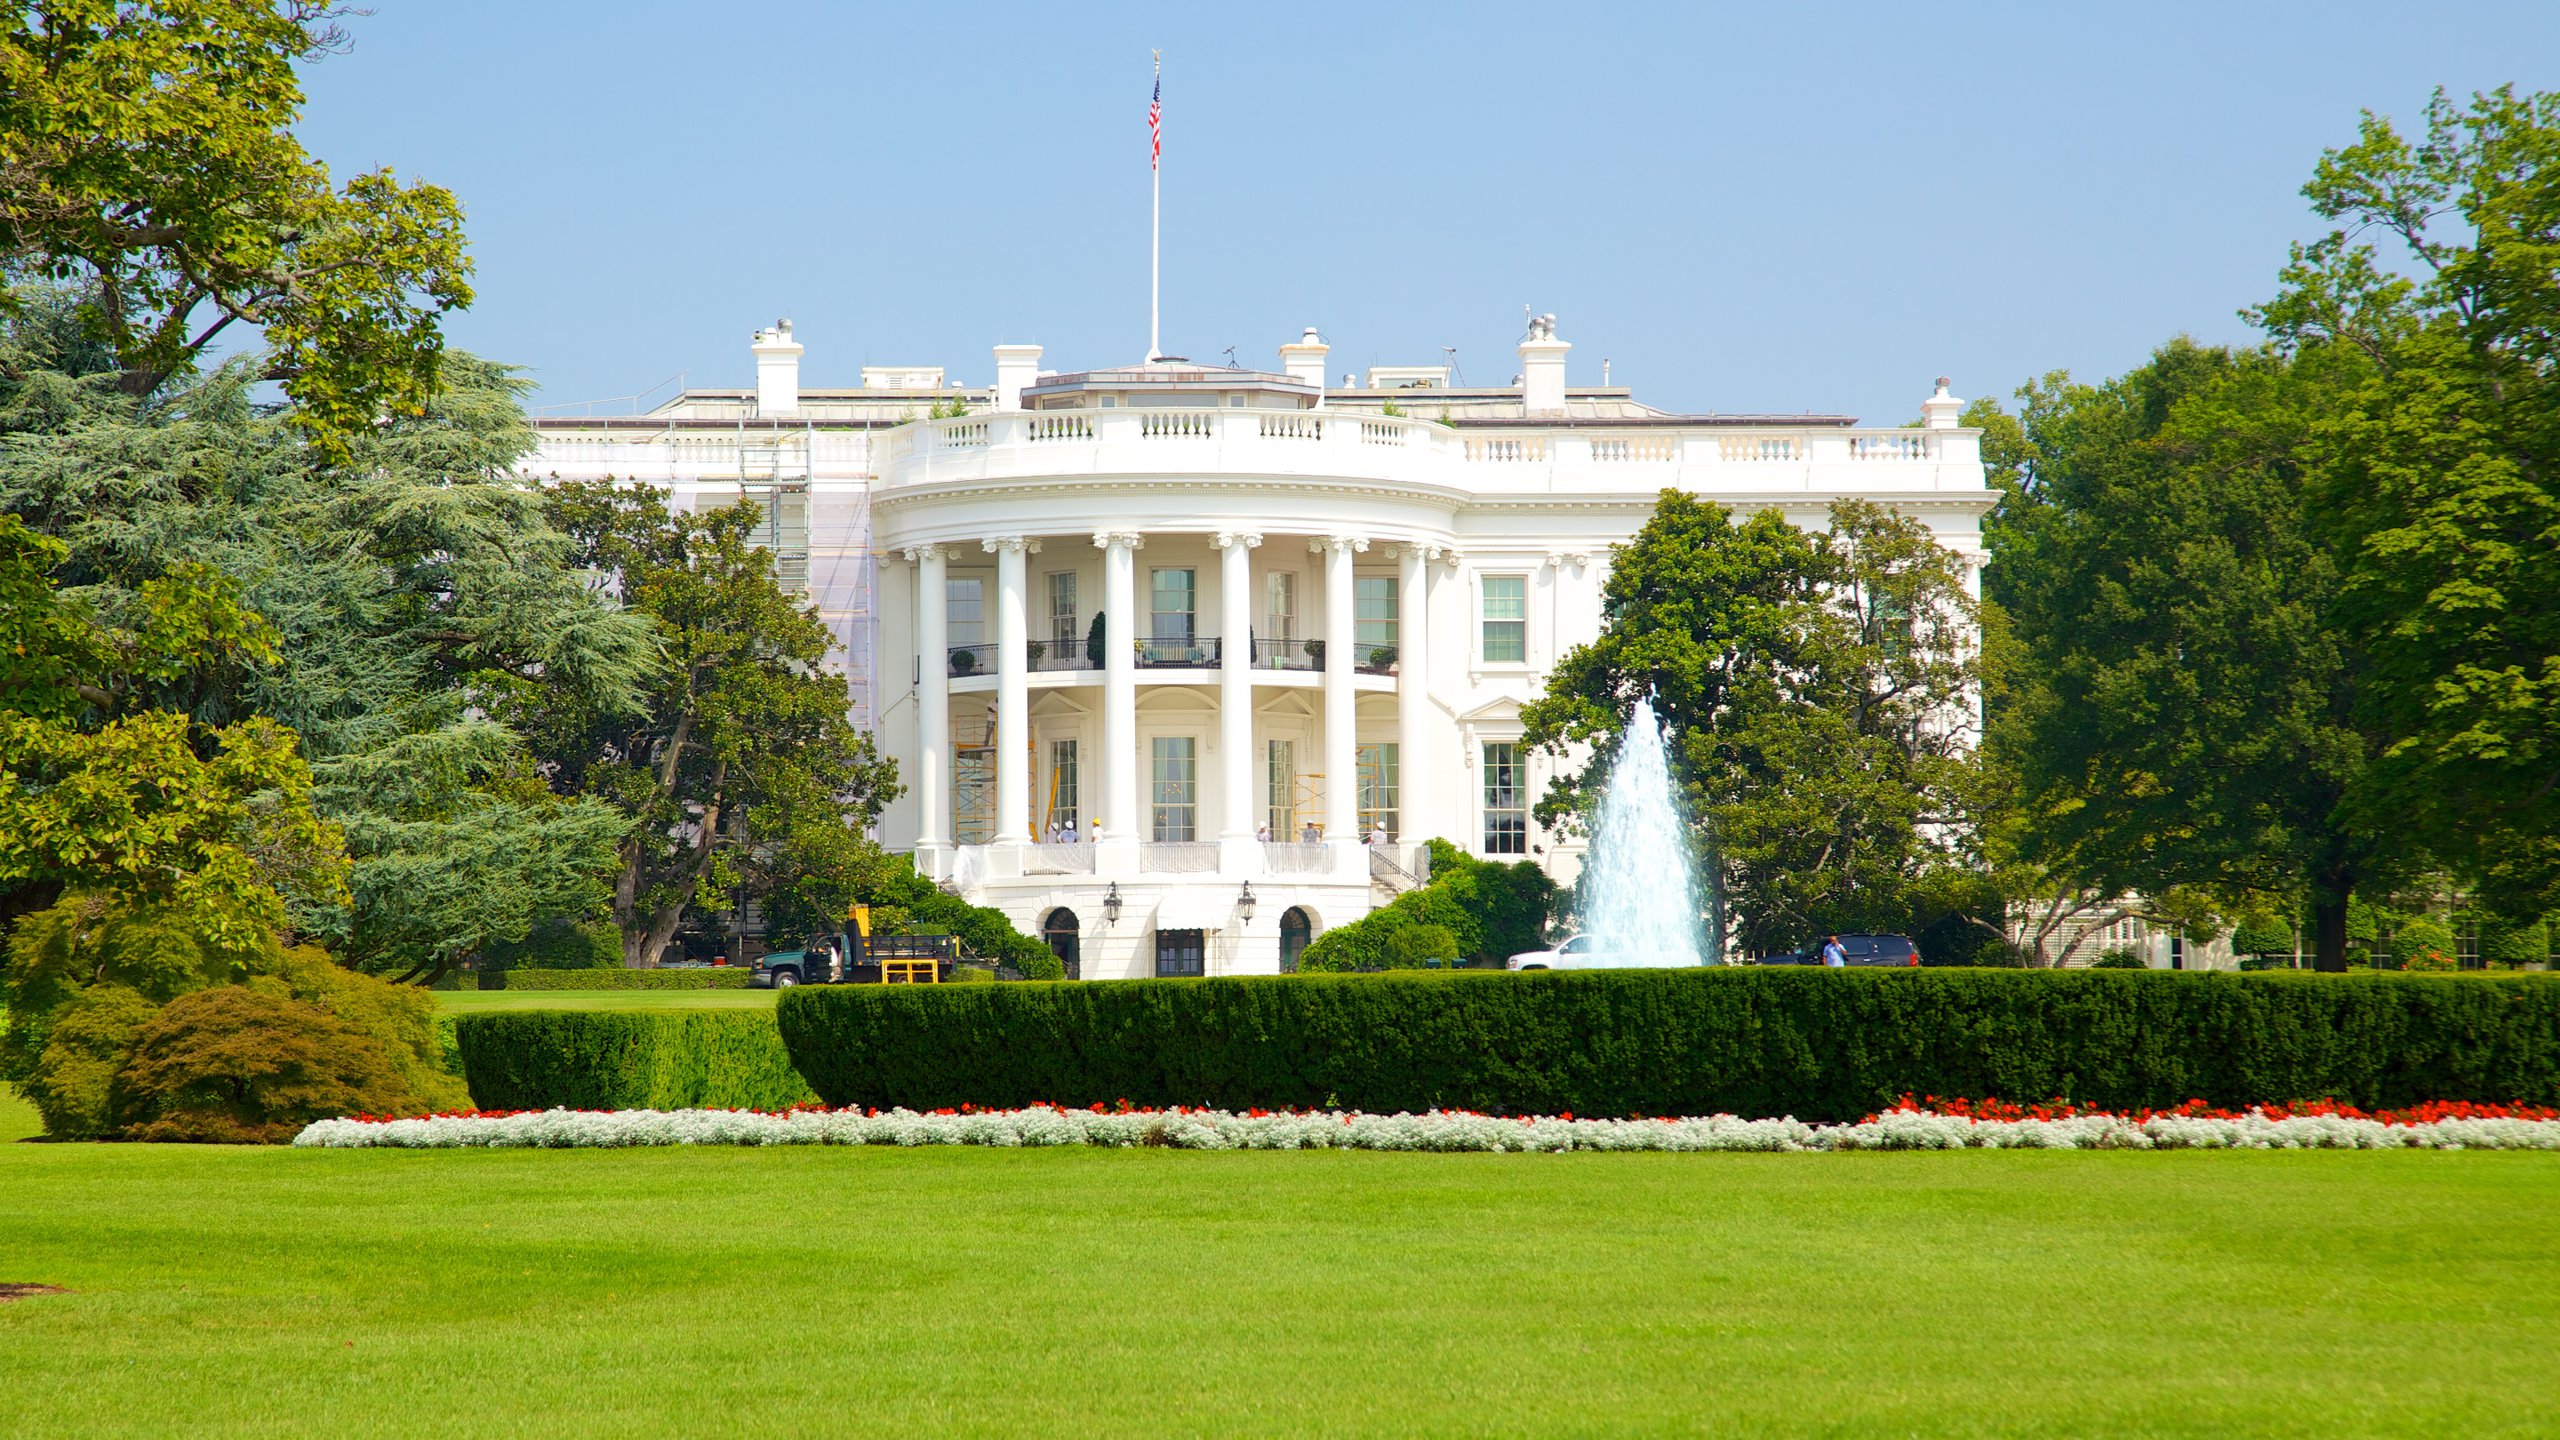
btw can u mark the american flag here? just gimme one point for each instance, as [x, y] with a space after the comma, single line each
[1155, 122]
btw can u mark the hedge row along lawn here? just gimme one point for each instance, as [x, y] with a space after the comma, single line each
[1816, 1044]
[473, 1002]
[615, 977]
[668, 1059]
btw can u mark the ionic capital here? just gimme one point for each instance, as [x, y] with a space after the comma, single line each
[1127, 539]
[1017, 544]
[1228, 540]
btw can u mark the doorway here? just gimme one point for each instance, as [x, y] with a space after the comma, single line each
[1064, 937]
[1181, 953]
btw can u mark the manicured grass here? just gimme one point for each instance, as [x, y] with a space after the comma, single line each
[467, 1001]
[1148, 1292]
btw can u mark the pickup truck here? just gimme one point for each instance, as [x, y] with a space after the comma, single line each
[861, 958]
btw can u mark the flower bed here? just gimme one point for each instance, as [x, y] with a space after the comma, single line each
[1912, 1125]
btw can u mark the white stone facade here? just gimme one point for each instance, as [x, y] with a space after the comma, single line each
[1323, 608]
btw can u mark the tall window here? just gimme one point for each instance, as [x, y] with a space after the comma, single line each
[1506, 802]
[1177, 791]
[1378, 790]
[1280, 609]
[1065, 636]
[1064, 811]
[1280, 766]
[1175, 605]
[1506, 619]
[965, 603]
[1373, 614]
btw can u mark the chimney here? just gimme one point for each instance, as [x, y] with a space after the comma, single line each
[1017, 366]
[1940, 411]
[777, 370]
[1542, 368]
[1304, 361]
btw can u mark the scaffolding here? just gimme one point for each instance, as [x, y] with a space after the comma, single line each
[973, 777]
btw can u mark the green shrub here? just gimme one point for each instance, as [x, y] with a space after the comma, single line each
[716, 977]
[2119, 957]
[245, 1065]
[2423, 942]
[2262, 935]
[558, 944]
[2503, 942]
[1817, 1044]
[1416, 946]
[622, 1060]
[1492, 912]
[86, 1044]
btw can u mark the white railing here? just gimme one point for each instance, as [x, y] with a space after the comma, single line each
[1617, 450]
[1759, 447]
[1175, 424]
[1350, 443]
[1179, 857]
[1895, 445]
[1290, 425]
[1058, 860]
[1292, 857]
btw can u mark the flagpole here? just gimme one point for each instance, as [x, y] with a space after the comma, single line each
[1155, 237]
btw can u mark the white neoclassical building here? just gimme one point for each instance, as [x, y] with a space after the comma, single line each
[1163, 651]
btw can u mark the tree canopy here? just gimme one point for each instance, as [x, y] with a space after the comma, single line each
[147, 157]
[1819, 693]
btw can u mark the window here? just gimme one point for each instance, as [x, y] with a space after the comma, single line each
[1280, 609]
[1063, 805]
[1506, 807]
[965, 606]
[1378, 790]
[1175, 604]
[1177, 806]
[1065, 636]
[1373, 611]
[1180, 953]
[1506, 620]
[1280, 763]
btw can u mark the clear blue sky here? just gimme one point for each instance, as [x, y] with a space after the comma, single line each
[1745, 208]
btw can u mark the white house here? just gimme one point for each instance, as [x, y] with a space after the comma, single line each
[1321, 607]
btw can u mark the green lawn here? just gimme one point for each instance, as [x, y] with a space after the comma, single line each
[806, 1292]
[467, 1001]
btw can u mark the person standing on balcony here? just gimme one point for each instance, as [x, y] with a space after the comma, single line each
[1312, 835]
[1262, 832]
[1377, 832]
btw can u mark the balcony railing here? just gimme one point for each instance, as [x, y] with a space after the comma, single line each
[973, 660]
[1177, 654]
[1288, 654]
[1057, 655]
[1374, 660]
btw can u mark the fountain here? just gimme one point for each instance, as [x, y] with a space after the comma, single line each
[1638, 896]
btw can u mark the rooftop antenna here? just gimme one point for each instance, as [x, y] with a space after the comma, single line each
[1449, 353]
[1230, 353]
[1155, 229]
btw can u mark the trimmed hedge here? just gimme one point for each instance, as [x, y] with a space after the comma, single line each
[721, 977]
[627, 1060]
[1817, 1044]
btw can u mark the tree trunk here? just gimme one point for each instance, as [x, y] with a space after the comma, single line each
[2329, 926]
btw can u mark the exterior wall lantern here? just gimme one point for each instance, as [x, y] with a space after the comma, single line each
[1111, 904]
[1244, 902]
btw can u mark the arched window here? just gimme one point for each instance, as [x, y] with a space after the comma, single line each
[1295, 931]
[1062, 933]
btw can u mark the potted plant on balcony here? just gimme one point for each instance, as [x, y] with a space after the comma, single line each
[1383, 658]
[1038, 649]
[1315, 652]
[964, 661]
[1093, 642]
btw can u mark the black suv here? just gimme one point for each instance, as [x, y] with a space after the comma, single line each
[1862, 950]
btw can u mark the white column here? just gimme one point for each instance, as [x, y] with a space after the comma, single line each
[1235, 684]
[1341, 710]
[1013, 690]
[1415, 821]
[1120, 760]
[933, 699]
